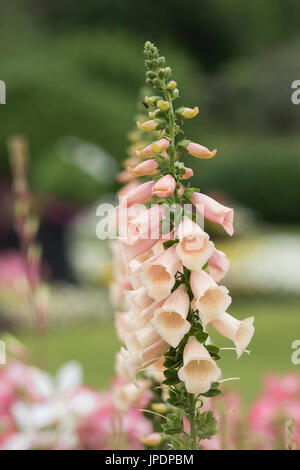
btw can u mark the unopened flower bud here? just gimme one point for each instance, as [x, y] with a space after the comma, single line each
[175, 93]
[152, 100]
[159, 407]
[157, 83]
[152, 440]
[164, 187]
[187, 113]
[172, 85]
[188, 174]
[196, 150]
[145, 168]
[152, 125]
[160, 145]
[163, 105]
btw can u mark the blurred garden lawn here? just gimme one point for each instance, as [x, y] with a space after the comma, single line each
[94, 345]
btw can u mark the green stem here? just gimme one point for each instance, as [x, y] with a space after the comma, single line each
[193, 430]
[171, 150]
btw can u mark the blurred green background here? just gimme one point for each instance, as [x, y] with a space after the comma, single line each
[73, 72]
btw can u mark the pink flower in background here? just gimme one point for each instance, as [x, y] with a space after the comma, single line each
[107, 428]
[279, 402]
[12, 268]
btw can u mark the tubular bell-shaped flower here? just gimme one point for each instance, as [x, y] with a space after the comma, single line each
[138, 195]
[158, 274]
[164, 187]
[170, 319]
[199, 370]
[147, 167]
[144, 226]
[141, 339]
[240, 332]
[214, 211]
[137, 299]
[211, 300]
[194, 247]
[218, 265]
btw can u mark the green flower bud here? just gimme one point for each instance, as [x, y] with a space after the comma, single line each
[187, 113]
[153, 125]
[175, 93]
[152, 100]
[163, 105]
[150, 74]
[157, 83]
[172, 85]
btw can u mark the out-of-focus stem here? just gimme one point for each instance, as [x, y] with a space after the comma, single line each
[26, 225]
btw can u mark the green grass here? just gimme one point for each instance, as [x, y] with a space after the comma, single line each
[94, 345]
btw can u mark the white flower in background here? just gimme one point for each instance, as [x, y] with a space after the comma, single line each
[51, 421]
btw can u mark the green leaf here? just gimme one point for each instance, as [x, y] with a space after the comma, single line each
[212, 349]
[201, 336]
[171, 373]
[167, 244]
[188, 193]
[212, 393]
[171, 381]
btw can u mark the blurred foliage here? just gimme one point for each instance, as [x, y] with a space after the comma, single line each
[74, 69]
[81, 84]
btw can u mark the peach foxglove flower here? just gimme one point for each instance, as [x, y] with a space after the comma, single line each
[218, 265]
[156, 370]
[120, 366]
[199, 370]
[197, 150]
[214, 211]
[158, 274]
[127, 188]
[127, 395]
[194, 247]
[147, 167]
[154, 352]
[210, 300]
[240, 332]
[123, 323]
[142, 318]
[145, 357]
[146, 225]
[138, 299]
[164, 187]
[141, 339]
[142, 246]
[124, 177]
[170, 319]
[139, 195]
